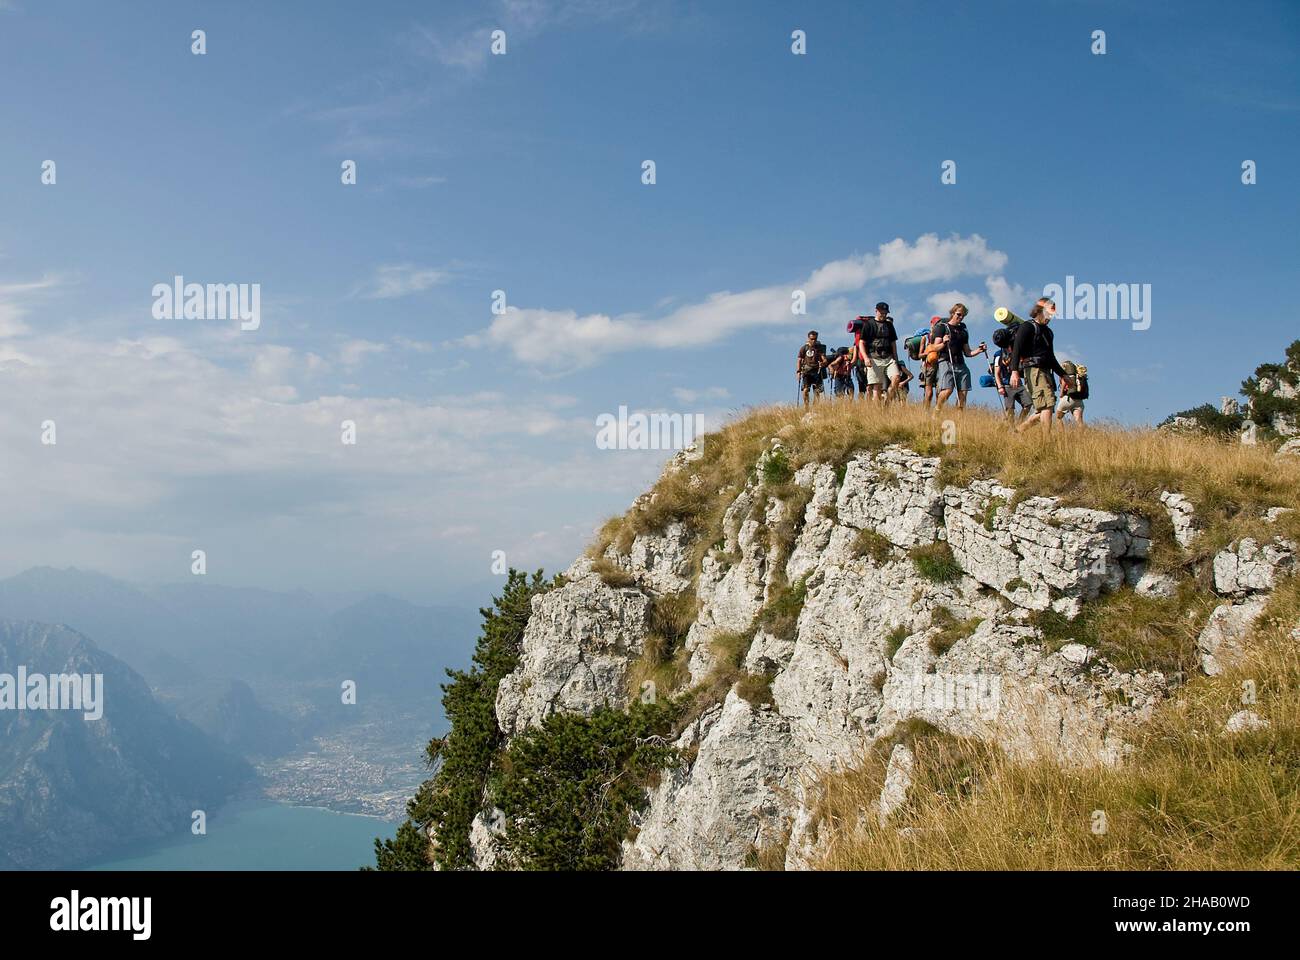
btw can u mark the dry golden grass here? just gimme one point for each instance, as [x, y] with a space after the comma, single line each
[1189, 798]
[664, 657]
[1136, 632]
[1109, 468]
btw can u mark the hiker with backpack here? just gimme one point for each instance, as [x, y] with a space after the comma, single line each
[916, 346]
[856, 326]
[1033, 361]
[1073, 395]
[950, 344]
[878, 347]
[810, 367]
[1000, 368]
[841, 371]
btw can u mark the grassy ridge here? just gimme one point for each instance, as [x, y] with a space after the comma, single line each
[1107, 468]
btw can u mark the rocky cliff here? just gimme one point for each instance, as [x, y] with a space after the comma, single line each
[836, 606]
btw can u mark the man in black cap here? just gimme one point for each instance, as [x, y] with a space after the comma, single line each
[878, 350]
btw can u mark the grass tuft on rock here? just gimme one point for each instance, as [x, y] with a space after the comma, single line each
[935, 562]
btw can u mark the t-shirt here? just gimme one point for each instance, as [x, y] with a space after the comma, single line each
[880, 337]
[956, 346]
[811, 357]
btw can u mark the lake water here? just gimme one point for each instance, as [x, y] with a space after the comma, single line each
[259, 835]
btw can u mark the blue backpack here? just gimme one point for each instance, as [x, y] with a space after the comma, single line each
[913, 343]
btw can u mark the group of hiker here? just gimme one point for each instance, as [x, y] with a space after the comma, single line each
[1033, 385]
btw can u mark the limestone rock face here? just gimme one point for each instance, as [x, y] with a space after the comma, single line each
[1183, 516]
[734, 588]
[481, 843]
[1156, 585]
[1220, 641]
[895, 493]
[660, 563]
[1039, 554]
[998, 685]
[876, 645]
[898, 780]
[577, 647]
[1249, 567]
[732, 801]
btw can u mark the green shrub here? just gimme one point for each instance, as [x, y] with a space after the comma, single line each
[935, 562]
[1210, 419]
[570, 785]
[777, 469]
[466, 759]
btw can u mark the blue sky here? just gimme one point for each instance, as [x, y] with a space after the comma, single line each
[522, 173]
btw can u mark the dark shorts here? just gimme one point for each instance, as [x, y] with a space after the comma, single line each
[842, 386]
[813, 381]
[860, 371]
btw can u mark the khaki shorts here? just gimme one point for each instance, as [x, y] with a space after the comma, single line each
[881, 371]
[1068, 404]
[1042, 388]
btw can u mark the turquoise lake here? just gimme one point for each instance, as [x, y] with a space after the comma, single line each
[259, 835]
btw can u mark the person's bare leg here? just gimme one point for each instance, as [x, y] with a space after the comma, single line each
[1030, 421]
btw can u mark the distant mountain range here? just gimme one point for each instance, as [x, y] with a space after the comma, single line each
[73, 787]
[291, 651]
[226, 677]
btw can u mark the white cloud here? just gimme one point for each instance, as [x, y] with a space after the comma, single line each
[561, 340]
[17, 300]
[941, 303]
[353, 352]
[1004, 294]
[163, 446]
[395, 280]
[413, 346]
